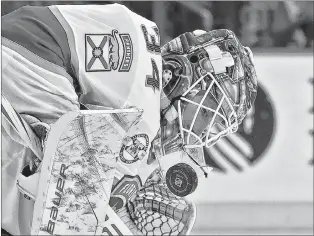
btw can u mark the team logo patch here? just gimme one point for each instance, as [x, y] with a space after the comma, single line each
[124, 190]
[106, 52]
[134, 148]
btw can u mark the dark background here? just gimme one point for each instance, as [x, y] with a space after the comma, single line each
[258, 24]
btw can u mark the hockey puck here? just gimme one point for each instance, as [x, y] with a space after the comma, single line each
[181, 179]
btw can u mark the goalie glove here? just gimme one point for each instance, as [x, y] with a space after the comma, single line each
[155, 210]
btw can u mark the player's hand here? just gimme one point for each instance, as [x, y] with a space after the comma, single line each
[155, 210]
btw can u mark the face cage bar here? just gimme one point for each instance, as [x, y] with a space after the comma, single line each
[231, 122]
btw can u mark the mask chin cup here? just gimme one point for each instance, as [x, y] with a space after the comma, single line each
[210, 141]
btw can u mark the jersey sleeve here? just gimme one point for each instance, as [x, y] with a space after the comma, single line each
[36, 34]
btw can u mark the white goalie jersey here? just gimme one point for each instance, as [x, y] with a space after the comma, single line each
[111, 56]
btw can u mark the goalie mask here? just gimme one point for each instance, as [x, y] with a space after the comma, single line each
[209, 83]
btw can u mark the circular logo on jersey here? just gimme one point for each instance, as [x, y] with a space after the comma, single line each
[134, 148]
[246, 146]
